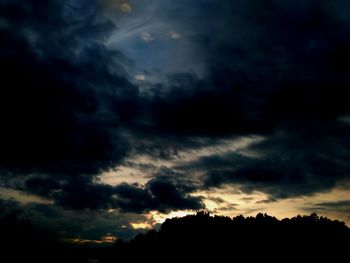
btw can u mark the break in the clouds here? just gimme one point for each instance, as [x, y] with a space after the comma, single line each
[153, 106]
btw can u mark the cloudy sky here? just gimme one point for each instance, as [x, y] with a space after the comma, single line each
[117, 114]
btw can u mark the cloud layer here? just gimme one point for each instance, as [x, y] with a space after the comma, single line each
[71, 107]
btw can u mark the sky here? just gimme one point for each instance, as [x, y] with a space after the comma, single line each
[117, 114]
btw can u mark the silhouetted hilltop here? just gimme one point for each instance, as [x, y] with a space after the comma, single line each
[197, 237]
[20, 241]
[263, 237]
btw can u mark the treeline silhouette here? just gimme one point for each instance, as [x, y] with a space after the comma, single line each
[21, 242]
[197, 237]
[264, 238]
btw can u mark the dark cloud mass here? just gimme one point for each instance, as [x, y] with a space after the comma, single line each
[63, 100]
[159, 194]
[55, 111]
[343, 205]
[88, 224]
[285, 165]
[71, 108]
[278, 69]
[268, 63]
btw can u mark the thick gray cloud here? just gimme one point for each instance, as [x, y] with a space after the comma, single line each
[336, 206]
[267, 65]
[337, 209]
[86, 225]
[162, 193]
[63, 92]
[287, 164]
[64, 117]
[278, 69]
[70, 108]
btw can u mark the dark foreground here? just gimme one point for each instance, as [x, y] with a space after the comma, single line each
[198, 237]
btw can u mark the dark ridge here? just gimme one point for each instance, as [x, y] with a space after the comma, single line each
[195, 237]
[20, 241]
[263, 237]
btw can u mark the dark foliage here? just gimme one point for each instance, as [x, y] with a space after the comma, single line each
[20, 241]
[260, 238]
[196, 237]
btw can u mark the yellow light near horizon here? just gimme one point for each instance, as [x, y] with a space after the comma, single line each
[155, 217]
[142, 225]
[108, 238]
[160, 218]
[231, 202]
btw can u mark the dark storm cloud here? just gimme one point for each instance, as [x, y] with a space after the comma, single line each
[287, 164]
[267, 64]
[166, 191]
[69, 110]
[63, 94]
[88, 224]
[339, 206]
[78, 194]
[276, 68]
[162, 193]
[65, 98]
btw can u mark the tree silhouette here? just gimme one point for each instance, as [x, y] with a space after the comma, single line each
[262, 238]
[197, 237]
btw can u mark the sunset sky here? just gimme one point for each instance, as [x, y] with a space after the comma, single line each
[117, 114]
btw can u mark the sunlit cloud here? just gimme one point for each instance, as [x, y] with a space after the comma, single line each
[147, 37]
[237, 144]
[160, 218]
[106, 239]
[121, 5]
[174, 35]
[124, 174]
[22, 197]
[230, 201]
[109, 238]
[142, 225]
[155, 218]
[125, 7]
[139, 168]
[140, 77]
